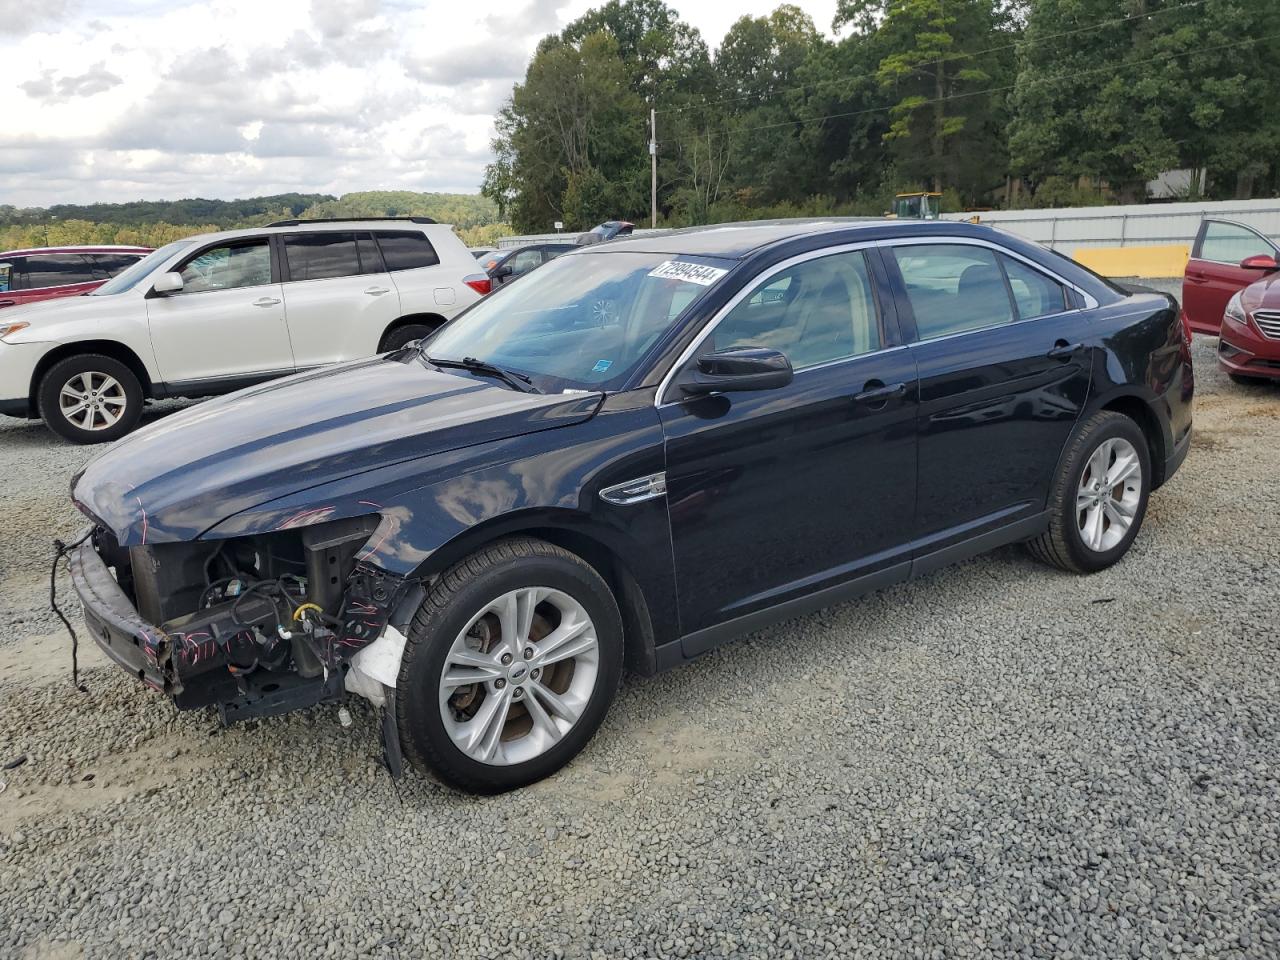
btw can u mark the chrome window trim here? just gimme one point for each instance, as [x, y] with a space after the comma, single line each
[750, 288]
[1091, 302]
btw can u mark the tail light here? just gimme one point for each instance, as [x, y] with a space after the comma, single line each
[479, 282]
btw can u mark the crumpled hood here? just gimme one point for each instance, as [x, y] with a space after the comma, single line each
[187, 472]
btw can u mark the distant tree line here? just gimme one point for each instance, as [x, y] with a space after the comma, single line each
[154, 223]
[991, 102]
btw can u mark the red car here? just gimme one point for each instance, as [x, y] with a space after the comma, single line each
[47, 272]
[1231, 289]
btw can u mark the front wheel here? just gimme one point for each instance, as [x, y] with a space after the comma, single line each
[510, 666]
[1247, 381]
[1099, 497]
[403, 336]
[90, 398]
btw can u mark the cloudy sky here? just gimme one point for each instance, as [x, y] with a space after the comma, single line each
[110, 100]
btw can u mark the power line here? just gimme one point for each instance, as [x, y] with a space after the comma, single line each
[1110, 68]
[1098, 25]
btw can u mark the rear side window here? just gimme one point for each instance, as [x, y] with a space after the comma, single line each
[1034, 294]
[1230, 243]
[6, 276]
[57, 270]
[953, 288]
[321, 256]
[406, 250]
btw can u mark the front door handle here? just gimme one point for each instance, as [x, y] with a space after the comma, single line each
[8, 303]
[376, 291]
[266, 301]
[876, 394]
[1196, 277]
[1064, 351]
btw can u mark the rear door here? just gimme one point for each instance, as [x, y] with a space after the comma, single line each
[1213, 274]
[227, 322]
[339, 297]
[1000, 346]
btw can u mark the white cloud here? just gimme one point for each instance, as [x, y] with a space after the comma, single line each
[114, 101]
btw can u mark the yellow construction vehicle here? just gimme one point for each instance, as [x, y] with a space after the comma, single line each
[921, 205]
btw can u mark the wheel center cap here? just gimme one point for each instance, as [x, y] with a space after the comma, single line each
[519, 672]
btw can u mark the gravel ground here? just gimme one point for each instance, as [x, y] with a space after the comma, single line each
[997, 760]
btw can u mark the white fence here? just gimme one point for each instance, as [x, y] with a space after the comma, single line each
[1145, 224]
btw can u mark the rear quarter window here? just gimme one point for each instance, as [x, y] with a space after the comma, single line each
[406, 250]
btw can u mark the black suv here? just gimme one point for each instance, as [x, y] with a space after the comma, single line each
[640, 451]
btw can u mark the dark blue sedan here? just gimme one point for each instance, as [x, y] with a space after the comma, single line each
[638, 452]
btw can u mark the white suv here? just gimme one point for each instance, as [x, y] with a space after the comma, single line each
[221, 311]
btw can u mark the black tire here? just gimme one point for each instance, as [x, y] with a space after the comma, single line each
[1062, 545]
[89, 365]
[451, 602]
[402, 336]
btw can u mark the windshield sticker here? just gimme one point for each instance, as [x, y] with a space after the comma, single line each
[601, 366]
[692, 272]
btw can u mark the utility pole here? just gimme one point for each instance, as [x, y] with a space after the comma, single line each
[653, 166]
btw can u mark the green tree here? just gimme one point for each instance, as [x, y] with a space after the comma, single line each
[942, 63]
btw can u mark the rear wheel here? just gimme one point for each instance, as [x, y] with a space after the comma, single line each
[1099, 497]
[90, 398]
[403, 336]
[511, 663]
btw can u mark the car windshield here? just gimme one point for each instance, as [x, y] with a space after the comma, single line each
[583, 321]
[130, 278]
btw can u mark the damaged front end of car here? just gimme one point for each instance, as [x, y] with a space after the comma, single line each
[254, 625]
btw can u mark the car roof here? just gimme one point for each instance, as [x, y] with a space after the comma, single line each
[733, 241]
[94, 248]
[318, 226]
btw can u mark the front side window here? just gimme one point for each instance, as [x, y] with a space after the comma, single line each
[580, 322]
[406, 249]
[953, 288]
[814, 312]
[110, 264]
[226, 267]
[1230, 243]
[321, 256]
[524, 261]
[56, 270]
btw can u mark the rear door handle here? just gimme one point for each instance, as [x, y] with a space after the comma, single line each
[876, 394]
[1064, 351]
[8, 303]
[266, 301]
[376, 291]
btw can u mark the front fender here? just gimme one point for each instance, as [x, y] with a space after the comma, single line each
[437, 511]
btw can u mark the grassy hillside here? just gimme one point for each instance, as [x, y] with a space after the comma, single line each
[155, 222]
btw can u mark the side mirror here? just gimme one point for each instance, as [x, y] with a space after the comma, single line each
[168, 283]
[1259, 261]
[502, 272]
[744, 368]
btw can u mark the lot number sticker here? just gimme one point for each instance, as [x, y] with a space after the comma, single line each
[692, 272]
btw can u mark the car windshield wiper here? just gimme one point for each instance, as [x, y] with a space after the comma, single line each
[517, 381]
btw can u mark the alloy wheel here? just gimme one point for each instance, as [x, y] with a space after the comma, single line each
[1109, 493]
[92, 400]
[519, 675]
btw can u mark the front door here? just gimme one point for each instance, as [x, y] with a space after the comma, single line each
[780, 493]
[1214, 275]
[1002, 353]
[227, 321]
